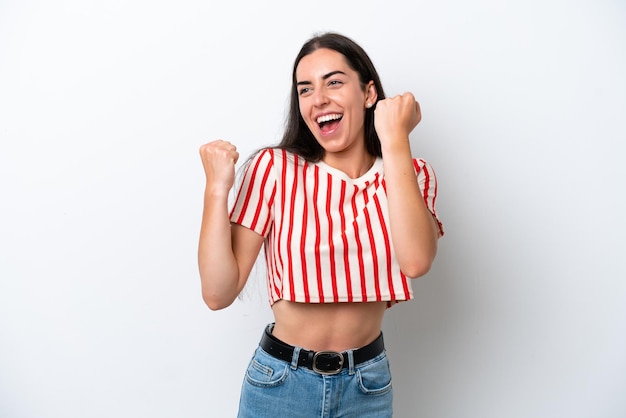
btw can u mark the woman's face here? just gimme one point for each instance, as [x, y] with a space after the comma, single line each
[332, 101]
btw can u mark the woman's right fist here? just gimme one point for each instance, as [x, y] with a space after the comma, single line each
[219, 158]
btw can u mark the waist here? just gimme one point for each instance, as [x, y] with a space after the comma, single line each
[331, 326]
[322, 362]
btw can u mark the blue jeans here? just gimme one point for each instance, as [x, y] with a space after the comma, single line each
[274, 388]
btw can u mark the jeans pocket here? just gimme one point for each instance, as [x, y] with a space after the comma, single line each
[266, 371]
[374, 378]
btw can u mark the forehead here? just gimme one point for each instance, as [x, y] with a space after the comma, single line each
[321, 62]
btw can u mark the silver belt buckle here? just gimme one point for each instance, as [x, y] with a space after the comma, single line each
[327, 362]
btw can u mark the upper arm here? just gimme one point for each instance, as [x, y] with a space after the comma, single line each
[427, 182]
[246, 247]
[252, 214]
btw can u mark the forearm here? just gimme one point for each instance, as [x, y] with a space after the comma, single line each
[413, 229]
[219, 272]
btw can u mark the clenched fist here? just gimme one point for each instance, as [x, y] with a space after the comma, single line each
[395, 117]
[219, 158]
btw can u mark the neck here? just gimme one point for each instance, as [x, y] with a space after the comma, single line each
[354, 166]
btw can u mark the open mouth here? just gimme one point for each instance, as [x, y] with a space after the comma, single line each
[328, 123]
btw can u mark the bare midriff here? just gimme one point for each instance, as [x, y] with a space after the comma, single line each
[328, 326]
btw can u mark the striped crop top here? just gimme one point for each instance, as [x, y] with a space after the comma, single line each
[327, 236]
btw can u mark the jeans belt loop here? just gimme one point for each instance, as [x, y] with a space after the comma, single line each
[350, 354]
[295, 358]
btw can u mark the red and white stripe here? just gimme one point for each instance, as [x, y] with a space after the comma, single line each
[327, 236]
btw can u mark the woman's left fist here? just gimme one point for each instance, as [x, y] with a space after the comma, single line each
[395, 117]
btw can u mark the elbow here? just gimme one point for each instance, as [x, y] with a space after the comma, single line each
[215, 294]
[215, 302]
[416, 270]
[417, 262]
[417, 267]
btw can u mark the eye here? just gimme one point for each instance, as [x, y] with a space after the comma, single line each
[304, 90]
[334, 83]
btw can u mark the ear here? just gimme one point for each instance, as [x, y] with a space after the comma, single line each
[370, 94]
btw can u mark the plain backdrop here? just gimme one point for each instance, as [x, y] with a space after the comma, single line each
[104, 104]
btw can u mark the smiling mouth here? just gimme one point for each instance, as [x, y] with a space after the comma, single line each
[328, 123]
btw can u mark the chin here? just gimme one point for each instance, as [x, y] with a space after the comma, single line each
[332, 148]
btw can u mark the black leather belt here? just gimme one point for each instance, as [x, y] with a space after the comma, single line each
[323, 362]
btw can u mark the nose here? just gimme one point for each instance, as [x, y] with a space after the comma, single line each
[319, 97]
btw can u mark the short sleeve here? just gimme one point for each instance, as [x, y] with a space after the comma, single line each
[427, 182]
[253, 205]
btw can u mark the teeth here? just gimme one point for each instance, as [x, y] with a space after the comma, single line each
[327, 118]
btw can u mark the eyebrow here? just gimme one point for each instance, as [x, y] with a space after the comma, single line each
[324, 77]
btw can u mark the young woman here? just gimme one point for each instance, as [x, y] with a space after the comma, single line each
[346, 216]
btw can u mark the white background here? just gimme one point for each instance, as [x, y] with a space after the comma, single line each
[103, 106]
